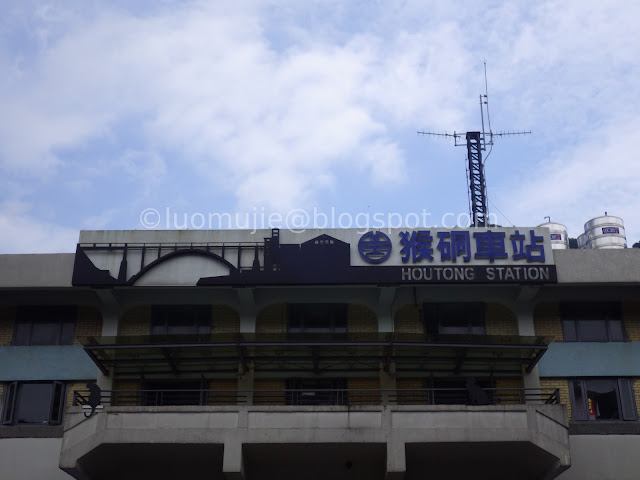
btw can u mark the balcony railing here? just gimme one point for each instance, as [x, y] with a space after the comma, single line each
[347, 397]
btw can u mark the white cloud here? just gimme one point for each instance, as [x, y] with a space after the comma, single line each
[269, 101]
[583, 181]
[22, 232]
[207, 84]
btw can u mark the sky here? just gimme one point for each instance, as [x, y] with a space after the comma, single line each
[168, 114]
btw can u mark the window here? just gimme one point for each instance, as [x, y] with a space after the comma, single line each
[455, 318]
[33, 403]
[603, 399]
[316, 391]
[159, 393]
[317, 317]
[455, 391]
[592, 322]
[181, 320]
[44, 325]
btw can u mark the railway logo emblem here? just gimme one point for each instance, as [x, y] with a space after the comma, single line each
[374, 247]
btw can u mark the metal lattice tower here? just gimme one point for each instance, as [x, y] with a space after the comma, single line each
[476, 143]
[477, 184]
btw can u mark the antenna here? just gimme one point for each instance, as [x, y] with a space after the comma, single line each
[476, 143]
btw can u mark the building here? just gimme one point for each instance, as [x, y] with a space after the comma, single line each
[441, 354]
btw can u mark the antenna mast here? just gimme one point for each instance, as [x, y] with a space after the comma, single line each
[476, 143]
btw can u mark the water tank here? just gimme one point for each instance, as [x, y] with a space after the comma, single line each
[605, 232]
[558, 234]
[582, 240]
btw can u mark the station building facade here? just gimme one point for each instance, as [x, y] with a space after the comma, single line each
[399, 354]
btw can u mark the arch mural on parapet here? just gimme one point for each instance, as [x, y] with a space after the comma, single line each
[179, 268]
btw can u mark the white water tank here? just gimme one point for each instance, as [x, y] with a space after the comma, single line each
[558, 234]
[582, 240]
[606, 231]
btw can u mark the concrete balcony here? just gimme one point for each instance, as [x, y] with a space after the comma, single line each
[317, 442]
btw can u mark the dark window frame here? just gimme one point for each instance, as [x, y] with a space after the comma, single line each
[15, 401]
[436, 314]
[174, 392]
[31, 318]
[316, 391]
[302, 317]
[576, 317]
[623, 388]
[199, 316]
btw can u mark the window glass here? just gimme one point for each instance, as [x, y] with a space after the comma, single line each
[312, 391]
[569, 330]
[627, 399]
[173, 393]
[579, 402]
[45, 333]
[317, 317]
[592, 322]
[592, 330]
[180, 320]
[602, 399]
[44, 325]
[455, 318]
[34, 403]
[616, 334]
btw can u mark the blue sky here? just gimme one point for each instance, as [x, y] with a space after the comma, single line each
[205, 107]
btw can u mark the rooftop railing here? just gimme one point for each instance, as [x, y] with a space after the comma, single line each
[311, 397]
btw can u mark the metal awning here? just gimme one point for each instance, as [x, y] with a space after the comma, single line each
[135, 356]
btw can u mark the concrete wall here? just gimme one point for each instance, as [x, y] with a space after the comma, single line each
[604, 457]
[31, 459]
[36, 270]
[539, 426]
[594, 266]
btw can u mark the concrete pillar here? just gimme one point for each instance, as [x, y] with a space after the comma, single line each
[245, 383]
[247, 322]
[388, 382]
[247, 310]
[232, 462]
[526, 328]
[396, 460]
[384, 309]
[110, 320]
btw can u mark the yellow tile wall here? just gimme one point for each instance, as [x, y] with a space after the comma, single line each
[508, 397]
[136, 321]
[124, 398]
[71, 387]
[274, 398]
[631, 319]
[224, 319]
[224, 397]
[88, 323]
[408, 320]
[546, 321]
[363, 398]
[411, 398]
[500, 320]
[636, 389]
[563, 385]
[361, 319]
[7, 318]
[272, 319]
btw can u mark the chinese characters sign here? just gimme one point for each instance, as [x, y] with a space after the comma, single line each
[455, 246]
[521, 255]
